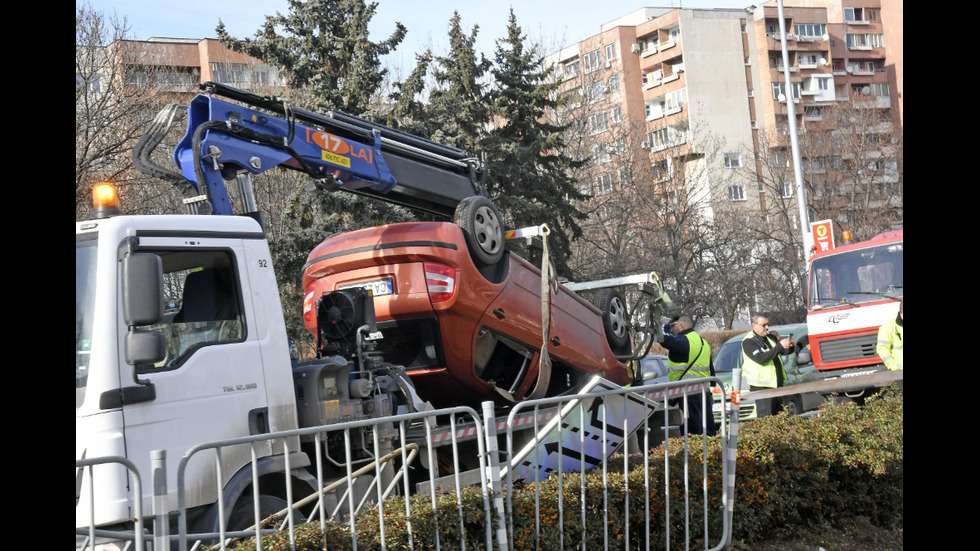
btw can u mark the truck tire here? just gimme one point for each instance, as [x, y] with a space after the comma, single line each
[242, 516]
[615, 319]
[484, 233]
[792, 405]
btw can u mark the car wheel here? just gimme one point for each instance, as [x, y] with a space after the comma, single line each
[615, 319]
[478, 218]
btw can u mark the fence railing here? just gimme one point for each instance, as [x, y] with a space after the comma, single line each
[542, 455]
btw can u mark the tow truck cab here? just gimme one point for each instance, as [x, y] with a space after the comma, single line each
[144, 380]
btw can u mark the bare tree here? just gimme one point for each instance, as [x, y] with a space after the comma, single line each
[119, 88]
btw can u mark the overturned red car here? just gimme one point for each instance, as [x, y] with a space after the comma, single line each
[464, 315]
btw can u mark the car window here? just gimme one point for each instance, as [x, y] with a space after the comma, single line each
[655, 366]
[729, 357]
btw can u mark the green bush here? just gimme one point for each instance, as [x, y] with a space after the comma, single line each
[791, 474]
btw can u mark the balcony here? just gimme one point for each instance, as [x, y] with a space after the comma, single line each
[649, 50]
[871, 102]
[670, 78]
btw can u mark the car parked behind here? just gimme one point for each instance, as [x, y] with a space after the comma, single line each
[729, 357]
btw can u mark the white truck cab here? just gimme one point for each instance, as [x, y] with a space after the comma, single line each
[213, 365]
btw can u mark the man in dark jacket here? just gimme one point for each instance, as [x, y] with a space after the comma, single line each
[689, 357]
[761, 362]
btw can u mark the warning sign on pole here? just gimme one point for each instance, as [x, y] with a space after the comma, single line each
[823, 235]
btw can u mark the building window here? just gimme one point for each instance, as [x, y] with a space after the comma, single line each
[598, 122]
[244, 74]
[787, 190]
[596, 91]
[854, 14]
[733, 160]
[736, 192]
[865, 40]
[805, 59]
[571, 67]
[661, 170]
[780, 88]
[604, 183]
[610, 51]
[780, 159]
[614, 82]
[616, 113]
[624, 176]
[600, 154]
[674, 100]
[809, 30]
[590, 61]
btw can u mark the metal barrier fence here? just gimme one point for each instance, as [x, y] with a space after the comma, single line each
[88, 537]
[561, 441]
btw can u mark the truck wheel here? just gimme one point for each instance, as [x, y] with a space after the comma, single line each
[615, 320]
[792, 405]
[242, 516]
[478, 218]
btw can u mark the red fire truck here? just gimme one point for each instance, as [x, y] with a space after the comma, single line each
[852, 290]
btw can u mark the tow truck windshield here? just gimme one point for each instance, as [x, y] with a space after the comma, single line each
[855, 277]
[85, 267]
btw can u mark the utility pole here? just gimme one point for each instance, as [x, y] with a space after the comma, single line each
[794, 139]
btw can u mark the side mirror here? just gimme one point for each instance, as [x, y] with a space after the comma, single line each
[142, 291]
[142, 296]
[803, 357]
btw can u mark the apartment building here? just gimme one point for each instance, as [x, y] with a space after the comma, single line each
[180, 64]
[697, 98]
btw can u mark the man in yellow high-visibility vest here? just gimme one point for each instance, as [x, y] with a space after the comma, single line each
[761, 363]
[689, 357]
[890, 341]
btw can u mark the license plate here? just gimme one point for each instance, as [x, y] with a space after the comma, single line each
[718, 406]
[378, 287]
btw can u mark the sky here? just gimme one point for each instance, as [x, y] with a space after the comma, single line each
[551, 22]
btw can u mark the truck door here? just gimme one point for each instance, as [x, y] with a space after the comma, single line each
[210, 386]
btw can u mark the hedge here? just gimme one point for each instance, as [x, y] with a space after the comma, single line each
[791, 474]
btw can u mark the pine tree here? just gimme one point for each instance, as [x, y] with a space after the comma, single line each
[322, 48]
[528, 174]
[457, 113]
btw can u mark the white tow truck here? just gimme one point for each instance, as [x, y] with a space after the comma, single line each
[179, 331]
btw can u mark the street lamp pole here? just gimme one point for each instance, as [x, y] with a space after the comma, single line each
[794, 139]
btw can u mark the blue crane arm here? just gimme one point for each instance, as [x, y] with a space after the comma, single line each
[255, 133]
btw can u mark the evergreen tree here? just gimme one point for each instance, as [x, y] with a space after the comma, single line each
[528, 174]
[457, 112]
[322, 48]
[408, 111]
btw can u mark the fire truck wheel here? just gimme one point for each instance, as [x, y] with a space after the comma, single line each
[792, 405]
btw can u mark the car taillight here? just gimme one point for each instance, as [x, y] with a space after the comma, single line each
[440, 280]
[308, 305]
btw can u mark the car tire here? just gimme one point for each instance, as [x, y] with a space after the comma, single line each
[480, 221]
[615, 318]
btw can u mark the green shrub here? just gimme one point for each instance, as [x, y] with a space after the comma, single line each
[791, 474]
